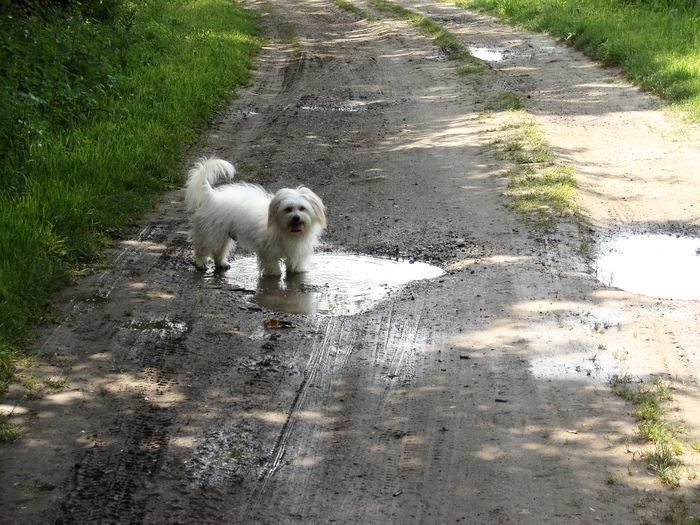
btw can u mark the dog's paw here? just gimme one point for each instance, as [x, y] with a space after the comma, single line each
[273, 270]
[222, 266]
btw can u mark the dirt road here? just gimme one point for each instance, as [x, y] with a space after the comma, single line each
[479, 396]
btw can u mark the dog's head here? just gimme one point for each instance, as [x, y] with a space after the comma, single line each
[295, 210]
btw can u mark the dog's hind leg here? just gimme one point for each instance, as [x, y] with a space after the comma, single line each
[221, 255]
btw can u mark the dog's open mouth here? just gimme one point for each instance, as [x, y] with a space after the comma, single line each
[296, 224]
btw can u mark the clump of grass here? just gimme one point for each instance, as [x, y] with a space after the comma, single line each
[471, 69]
[352, 8]
[56, 383]
[681, 512]
[9, 433]
[505, 101]
[648, 412]
[662, 460]
[539, 188]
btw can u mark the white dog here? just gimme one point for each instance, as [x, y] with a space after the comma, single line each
[281, 227]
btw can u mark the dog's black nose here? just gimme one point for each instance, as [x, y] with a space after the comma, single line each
[296, 219]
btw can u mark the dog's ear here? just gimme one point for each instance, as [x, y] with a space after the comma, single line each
[273, 209]
[316, 204]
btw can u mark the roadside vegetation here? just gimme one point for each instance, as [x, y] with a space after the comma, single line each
[661, 448]
[540, 188]
[649, 406]
[98, 100]
[655, 42]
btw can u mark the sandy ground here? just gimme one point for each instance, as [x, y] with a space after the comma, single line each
[479, 396]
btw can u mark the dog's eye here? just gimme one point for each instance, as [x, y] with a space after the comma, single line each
[289, 209]
[301, 208]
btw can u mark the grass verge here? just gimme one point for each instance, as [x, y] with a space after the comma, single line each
[82, 160]
[656, 43]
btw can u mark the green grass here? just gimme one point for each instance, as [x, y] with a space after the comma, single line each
[9, 433]
[648, 412]
[542, 190]
[656, 43]
[94, 118]
[682, 512]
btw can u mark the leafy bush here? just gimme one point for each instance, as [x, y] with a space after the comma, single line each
[58, 68]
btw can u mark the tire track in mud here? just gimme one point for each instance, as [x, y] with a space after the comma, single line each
[110, 482]
[372, 358]
[111, 473]
[317, 362]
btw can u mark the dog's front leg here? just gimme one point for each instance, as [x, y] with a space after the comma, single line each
[269, 267]
[297, 264]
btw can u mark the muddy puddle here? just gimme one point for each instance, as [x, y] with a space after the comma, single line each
[336, 284]
[655, 265]
[487, 54]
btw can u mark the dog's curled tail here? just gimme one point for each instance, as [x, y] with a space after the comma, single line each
[201, 180]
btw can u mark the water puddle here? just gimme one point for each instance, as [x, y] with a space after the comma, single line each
[487, 54]
[350, 106]
[161, 325]
[658, 265]
[336, 284]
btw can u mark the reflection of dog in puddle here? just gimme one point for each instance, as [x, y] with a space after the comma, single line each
[285, 226]
[290, 294]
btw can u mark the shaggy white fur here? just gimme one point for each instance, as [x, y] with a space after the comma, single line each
[285, 226]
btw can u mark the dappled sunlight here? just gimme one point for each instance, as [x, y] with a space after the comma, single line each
[489, 453]
[383, 385]
[513, 394]
[309, 462]
[276, 418]
[65, 398]
[448, 134]
[104, 356]
[13, 410]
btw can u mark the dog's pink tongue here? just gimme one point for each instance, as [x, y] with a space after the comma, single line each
[296, 229]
